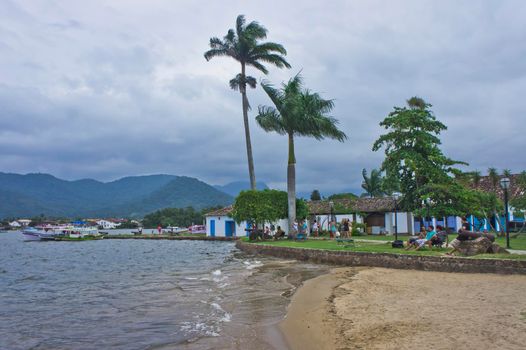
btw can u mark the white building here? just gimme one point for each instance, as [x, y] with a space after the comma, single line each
[107, 225]
[220, 224]
[15, 224]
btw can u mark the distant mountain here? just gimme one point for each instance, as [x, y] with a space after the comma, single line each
[35, 194]
[233, 188]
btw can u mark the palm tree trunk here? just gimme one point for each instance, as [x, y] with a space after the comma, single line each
[243, 90]
[291, 183]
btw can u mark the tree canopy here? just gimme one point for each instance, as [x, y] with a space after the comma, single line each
[412, 153]
[264, 206]
[315, 195]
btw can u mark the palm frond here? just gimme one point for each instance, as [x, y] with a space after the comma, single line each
[258, 66]
[274, 94]
[268, 47]
[240, 24]
[255, 31]
[274, 59]
[269, 119]
[238, 81]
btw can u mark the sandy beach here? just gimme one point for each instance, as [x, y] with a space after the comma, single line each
[375, 308]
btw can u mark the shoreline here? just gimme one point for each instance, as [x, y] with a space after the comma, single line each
[379, 308]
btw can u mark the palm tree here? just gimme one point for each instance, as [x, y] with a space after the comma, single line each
[243, 45]
[506, 173]
[494, 178]
[476, 177]
[372, 184]
[297, 112]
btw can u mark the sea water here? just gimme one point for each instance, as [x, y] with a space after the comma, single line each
[141, 294]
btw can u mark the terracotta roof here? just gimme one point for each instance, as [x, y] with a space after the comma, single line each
[486, 185]
[357, 205]
[221, 212]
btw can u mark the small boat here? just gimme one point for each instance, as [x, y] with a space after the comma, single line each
[33, 234]
[52, 233]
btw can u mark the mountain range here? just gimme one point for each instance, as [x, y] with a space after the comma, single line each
[134, 196]
[233, 188]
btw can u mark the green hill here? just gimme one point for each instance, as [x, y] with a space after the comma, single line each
[35, 194]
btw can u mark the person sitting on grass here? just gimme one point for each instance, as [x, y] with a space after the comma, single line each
[415, 242]
[423, 240]
[279, 233]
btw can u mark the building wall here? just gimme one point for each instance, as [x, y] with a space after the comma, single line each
[220, 226]
[402, 221]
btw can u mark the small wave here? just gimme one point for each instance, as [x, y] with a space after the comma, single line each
[216, 273]
[252, 265]
[226, 316]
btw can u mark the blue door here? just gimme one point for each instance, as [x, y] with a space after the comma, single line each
[230, 228]
[212, 228]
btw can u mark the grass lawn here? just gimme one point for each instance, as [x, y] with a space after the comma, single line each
[382, 246]
[518, 242]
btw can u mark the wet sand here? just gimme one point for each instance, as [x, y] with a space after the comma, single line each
[375, 308]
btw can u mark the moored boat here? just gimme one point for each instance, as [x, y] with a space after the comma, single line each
[51, 233]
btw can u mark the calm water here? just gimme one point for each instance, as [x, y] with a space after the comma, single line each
[140, 294]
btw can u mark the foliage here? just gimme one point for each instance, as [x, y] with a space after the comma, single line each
[519, 202]
[315, 195]
[182, 217]
[346, 195]
[297, 112]
[358, 228]
[373, 184]
[243, 45]
[412, 153]
[264, 206]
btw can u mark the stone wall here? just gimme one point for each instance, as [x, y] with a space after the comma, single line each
[173, 238]
[395, 261]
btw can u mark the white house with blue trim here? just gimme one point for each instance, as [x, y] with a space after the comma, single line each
[219, 223]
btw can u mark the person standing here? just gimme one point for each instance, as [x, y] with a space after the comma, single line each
[345, 228]
[315, 228]
[159, 229]
[333, 229]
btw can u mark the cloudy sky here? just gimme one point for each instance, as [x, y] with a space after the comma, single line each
[105, 89]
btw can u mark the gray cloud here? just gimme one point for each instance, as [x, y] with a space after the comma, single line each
[95, 90]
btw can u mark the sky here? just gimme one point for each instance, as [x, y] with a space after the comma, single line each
[106, 89]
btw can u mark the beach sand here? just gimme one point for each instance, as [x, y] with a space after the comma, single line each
[375, 308]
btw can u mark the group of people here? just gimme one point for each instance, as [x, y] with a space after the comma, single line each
[427, 237]
[273, 232]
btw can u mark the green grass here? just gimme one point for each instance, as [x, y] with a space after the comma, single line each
[518, 242]
[382, 246]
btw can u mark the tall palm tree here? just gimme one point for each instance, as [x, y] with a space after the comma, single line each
[506, 173]
[243, 45]
[372, 184]
[297, 112]
[476, 177]
[493, 177]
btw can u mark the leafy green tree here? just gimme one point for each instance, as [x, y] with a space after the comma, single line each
[297, 112]
[346, 195]
[243, 44]
[506, 173]
[315, 195]
[412, 153]
[259, 207]
[373, 185]
[519, 201]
